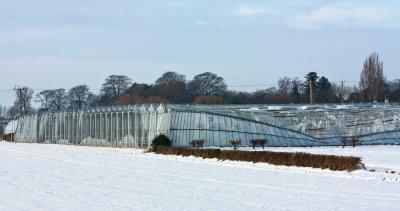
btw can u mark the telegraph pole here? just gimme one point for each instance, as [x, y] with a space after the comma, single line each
[311, 92]
[341, 90]
[19, 89]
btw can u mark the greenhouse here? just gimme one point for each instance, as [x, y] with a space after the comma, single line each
[216, 125]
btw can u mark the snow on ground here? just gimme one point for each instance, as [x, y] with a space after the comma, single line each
[53, 177]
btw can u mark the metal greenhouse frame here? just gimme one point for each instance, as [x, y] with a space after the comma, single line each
[136, 126]
[127, 126]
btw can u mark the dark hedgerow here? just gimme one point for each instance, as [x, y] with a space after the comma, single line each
[332, 162]
[161, 140]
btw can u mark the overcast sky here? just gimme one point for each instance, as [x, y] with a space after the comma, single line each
[47, 44]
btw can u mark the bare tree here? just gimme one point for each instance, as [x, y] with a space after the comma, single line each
[172, 87]
[113, 88]
[23, 102]
[207, 84]
[170, 78]
[343, 91]
[13, 111]
[284, 85]
[284, 90]
[371, 78]
[59, 100]
[79, 97]
[52, 99]
[44, 98]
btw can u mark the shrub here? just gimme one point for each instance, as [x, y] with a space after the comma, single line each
[197, 143]
[355, 141]
[344, 141]
[235, 143]
[161, 140]
[260, 142]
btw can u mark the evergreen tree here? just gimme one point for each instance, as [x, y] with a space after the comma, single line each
[295, 93]
[323, 90]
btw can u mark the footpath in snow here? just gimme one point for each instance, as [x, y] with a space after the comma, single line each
[53, 177]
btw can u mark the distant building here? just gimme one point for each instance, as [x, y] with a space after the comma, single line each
[9, 128]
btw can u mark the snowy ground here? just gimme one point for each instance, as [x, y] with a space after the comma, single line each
[53, 177]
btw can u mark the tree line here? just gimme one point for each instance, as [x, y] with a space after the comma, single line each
[209, 88]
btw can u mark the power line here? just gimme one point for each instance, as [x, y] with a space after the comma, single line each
[40, 89]
[346, 81]
[6, 90]
[252, 85]
[275, 84]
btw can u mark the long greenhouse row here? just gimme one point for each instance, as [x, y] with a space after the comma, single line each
[136, 126]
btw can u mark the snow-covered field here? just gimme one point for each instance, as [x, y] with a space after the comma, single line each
[54, 177]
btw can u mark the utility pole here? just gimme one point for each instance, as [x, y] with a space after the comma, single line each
[311, 91]
[19, 89]
[341, 90]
